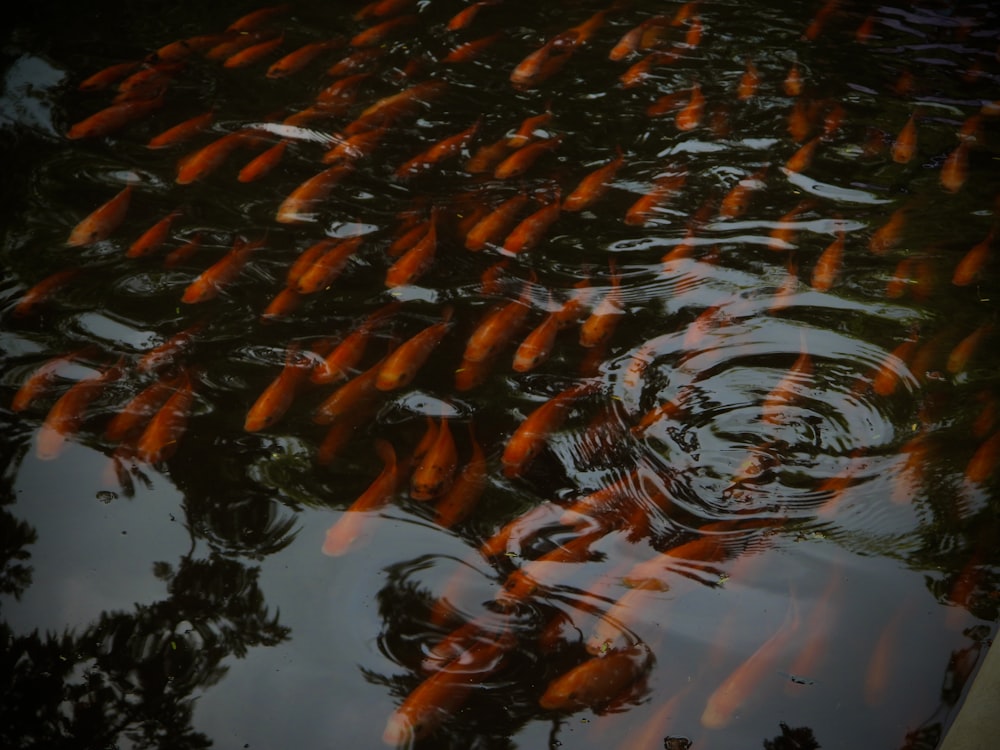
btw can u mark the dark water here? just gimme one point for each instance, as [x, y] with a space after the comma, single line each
[816, 504]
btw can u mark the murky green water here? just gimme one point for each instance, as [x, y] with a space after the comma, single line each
[766, 513]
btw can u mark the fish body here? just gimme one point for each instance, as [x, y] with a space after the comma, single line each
[103, 221]
[531, 435]
[435, 470]
[114, 117]
[222, 273]
[594, 186]
[402, 365]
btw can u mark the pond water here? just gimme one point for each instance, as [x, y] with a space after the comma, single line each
[507, 375]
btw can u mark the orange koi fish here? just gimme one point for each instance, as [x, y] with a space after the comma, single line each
[887, 374]
[108, 76]
[354, 521]
[973, 262]
[416, 261]
[460, 500]
[66, 415]
[488, 156]
[297, 60]
[301, 204]
[150, 82]
[594, 186]
[160, 438]
[737, 200]
[435, 470]
[498, 327]
[638, 72]
[254, 53]
[749, 82]
[307, 258]
[984, 461]
[114, 118]
[792, 85]
[358, 61]
[521, 160]
[597, 328]
[905, 146]
[880, 665]
[207, 159]
[471, 50]
[782, 235]
[537, 345]
[223, 272]
[355, 147]
[377, 34]
[276, 399]
[444, 693]
[887, 236]
[102, 222]
[162, 356]
[786, 391]
[343, 432]
[471, 374]
[541, 64]
[955, 169]
[528, 128]
[959, 357]
[494, 226]
[789, 286]
[258, 18]
[390, 108]
[437, 153]
[133, 416]
[530, 436]
[667, 103]
[231, 44]
[664, 188]
[690, 116]
[179, 49]
[338, 96]
[803, 157]
[632, 40]
[532, 228]
[464, 18]
[381, 8]
[402, 365]
[282, 305]
[182, 131]
[355, 395]
[329, 265]
[150, 240]
[346, 355]
[43, 291]
[41, 380]
[599, 681]
[263, 163]
[741, 685]
[828, 265]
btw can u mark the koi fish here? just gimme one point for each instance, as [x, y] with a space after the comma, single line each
[402, 365]
[521, 160]
[955, 169]
[67, 414]
[598, 681]
[416, 261]
[457, 504]
[905, 145]
[664, 188]
[887, 236]
[749, 82]
[222, 273]
[541, 64]
[435, 470]
[299, 207]
[355, 147]
[498, 327]
[262, 164]
[594, 186]
[353, 522]
[472, 49]
[114, 118]
[780, 238]
[43, 291]
[972, 263]
[103, 221]
[354, 395]
[150, 240]
[108, 76]
[737, 200]
[690, 116]
[390, 108]
[329, 265]
[537, 345]
[256, 19]
[183, 131]
[41, 380]
[530, 436]
[597, 329]
[633, 39]
[204, 161]
[297, 60]
[638, 72]
[491, 228]
[380, 8]
[377, 34]
[437, 153]
[532, 228]
[803, 157]
[828, 265]
[349, 352]
[160, 438]
[528, 129]
[792, 85]
[880, 665]
[134, 415]
[786, 391]
[984, 461]
[959, 357]
[276, 399]
[740, 686]
[149, 82]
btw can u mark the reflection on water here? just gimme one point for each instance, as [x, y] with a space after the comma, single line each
[632, 366]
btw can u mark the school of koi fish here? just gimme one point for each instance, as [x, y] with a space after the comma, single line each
[601, 356]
